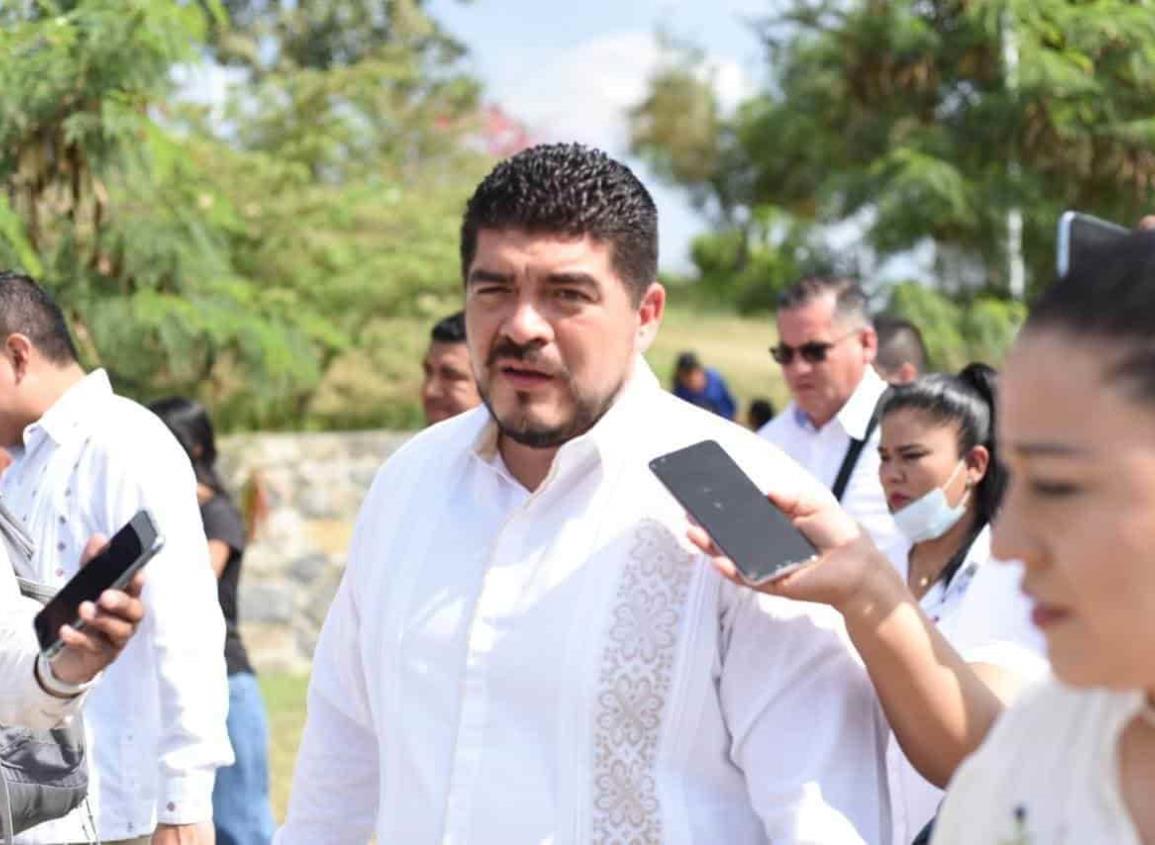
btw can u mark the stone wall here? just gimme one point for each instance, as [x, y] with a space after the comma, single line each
[314, 485]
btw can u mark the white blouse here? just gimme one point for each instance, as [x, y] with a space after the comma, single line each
[502, 667]
[984, 615]
[1047, 775]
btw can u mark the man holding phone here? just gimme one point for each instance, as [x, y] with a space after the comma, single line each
[38, 694]
[524, 647]
[86, 460]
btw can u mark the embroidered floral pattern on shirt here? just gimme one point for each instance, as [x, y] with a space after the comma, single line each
[634, 684]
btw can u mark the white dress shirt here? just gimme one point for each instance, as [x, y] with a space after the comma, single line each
[1048, 774]
[985, 616]
[156, 720]
[503, 667]
[23, 701]
[822, 450]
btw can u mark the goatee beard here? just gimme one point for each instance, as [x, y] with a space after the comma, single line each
[521, 429]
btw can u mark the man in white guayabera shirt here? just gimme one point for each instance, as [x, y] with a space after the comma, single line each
[85, 461]
[524, 649]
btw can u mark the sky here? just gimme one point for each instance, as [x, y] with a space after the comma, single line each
[571, 70]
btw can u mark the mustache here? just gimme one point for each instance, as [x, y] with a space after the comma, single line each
[529, 353]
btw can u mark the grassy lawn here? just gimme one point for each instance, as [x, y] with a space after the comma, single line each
[285, 700]
[738, 347]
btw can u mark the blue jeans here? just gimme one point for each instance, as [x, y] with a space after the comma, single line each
[241, 811]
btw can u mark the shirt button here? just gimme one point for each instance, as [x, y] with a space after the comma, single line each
[59, 572]
[63, 519]
[61, 546]
[171, 806]
[67, 491]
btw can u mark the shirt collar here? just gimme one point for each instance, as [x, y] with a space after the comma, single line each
[855, 413]
[73, 407]
[606, 442]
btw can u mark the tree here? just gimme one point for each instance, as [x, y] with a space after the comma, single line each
[236, 260]
[902, 109]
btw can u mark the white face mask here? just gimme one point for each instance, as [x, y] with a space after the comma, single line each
[929, 517]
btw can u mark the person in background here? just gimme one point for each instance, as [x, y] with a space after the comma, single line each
[902, 353]
[944, 482]
[760, 412]
[826, 346]
[85, 461]
[241, 810]
[1075, 760]
[448, 387]
[702, 386]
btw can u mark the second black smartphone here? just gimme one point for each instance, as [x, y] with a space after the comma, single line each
[758, 537]
[111, 569]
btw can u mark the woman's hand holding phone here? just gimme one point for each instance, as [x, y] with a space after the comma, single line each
[109, 624]
[850, 570]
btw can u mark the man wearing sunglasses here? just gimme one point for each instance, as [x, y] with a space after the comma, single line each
[826, 346]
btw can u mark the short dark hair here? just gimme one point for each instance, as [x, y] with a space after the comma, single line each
[572, 190]
[850, 300]
[1110, 298]
[899, 342]
[761, 412]
[687, 362]
[449, 329]
[26, 308]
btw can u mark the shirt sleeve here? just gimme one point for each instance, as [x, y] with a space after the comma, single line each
[23, 701]
[222, 521]
[183, 624]
[805, 726]
[335, 780]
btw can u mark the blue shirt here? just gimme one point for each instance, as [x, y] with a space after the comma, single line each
[715, 396]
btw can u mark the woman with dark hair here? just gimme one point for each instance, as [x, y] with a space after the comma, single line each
[947, 638]
[944, 484]
[241, 811]
[1074, 761]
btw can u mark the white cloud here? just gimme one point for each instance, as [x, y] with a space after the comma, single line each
[583, 93]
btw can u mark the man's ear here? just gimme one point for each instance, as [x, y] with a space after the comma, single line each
[650, 311]
[869, 339]
[18, 349]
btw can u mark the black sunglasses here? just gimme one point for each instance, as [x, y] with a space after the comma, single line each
[812, 352]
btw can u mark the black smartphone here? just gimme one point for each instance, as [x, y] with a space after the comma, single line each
[1083, 234]
[744, 524]
[112, 568]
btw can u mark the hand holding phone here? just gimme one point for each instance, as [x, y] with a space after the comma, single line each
[756, 535]
[108, 625]
[112, 568]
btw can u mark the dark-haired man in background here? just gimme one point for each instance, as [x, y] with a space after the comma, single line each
[703, 386]
[901, 352]
[85, 461]
[524, 647]
[447, 387]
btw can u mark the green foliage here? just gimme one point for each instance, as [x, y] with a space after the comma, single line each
[905, 109]
[749, 266]
[236, 259]
[958, 332]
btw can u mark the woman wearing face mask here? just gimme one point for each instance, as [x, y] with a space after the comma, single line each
[949, 642]
[944, 484]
